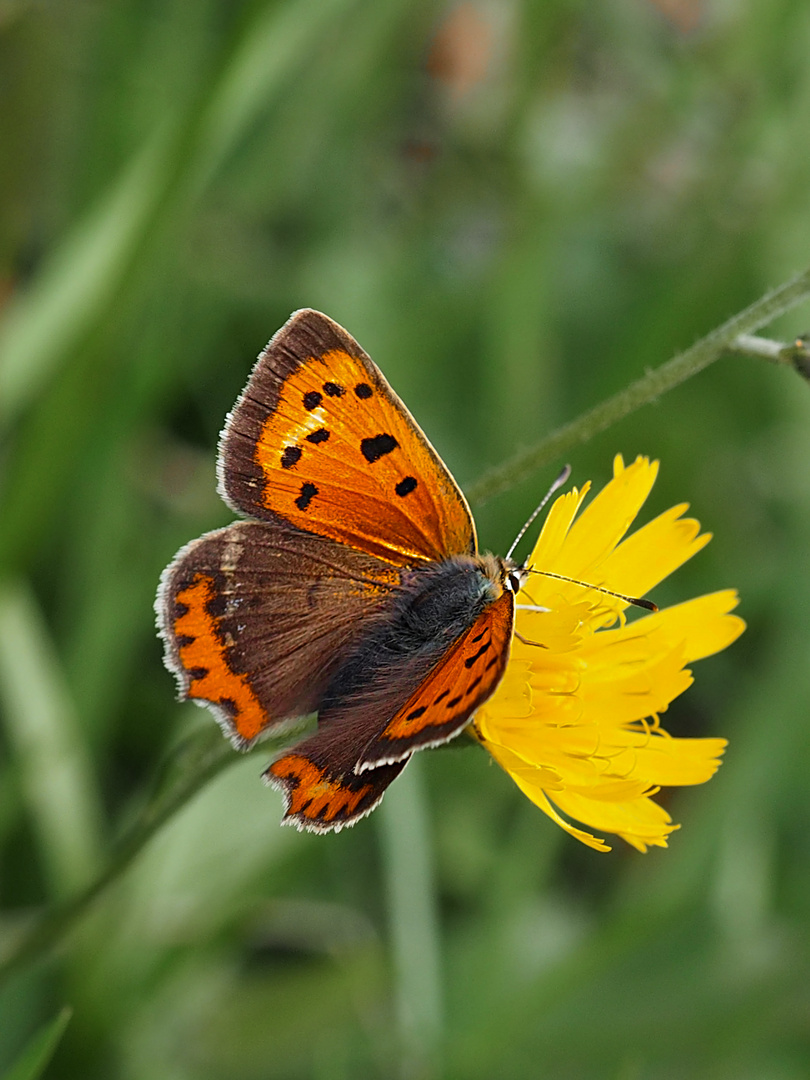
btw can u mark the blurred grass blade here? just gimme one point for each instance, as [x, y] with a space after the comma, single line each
[43, 323]
[55, 772]
[276, 42]
[414, 921]
[35, 1058]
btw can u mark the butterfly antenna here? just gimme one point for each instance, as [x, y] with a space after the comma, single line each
[558, 483]
[636, 601]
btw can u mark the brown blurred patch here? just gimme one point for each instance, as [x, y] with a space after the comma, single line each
[420, 151]
[174, 474]
[461, 51]
[683, 14]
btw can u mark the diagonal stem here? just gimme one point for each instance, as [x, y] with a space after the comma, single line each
[643, 391]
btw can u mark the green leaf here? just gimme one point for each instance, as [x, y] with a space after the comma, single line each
[42, 324]
[50, 751]
[34, 1059]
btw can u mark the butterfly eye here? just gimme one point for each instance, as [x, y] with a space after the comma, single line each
[513, 582]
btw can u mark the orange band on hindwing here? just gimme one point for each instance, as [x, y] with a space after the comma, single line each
[325, 797]
[311, 791]
[204, 657]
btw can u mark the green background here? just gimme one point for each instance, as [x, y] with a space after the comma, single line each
[517, 208]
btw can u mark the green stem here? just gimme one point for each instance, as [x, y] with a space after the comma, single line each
[642, 392]
[796, 355]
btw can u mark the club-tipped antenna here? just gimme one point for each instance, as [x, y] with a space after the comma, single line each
[558, 483]
[636, 601]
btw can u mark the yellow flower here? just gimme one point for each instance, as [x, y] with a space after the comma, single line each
[575, 719]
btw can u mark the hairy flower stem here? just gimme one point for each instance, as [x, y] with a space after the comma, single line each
[644, 390]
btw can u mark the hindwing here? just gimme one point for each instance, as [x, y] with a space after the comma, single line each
[256, 617]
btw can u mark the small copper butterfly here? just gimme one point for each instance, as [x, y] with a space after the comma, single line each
[354, 587]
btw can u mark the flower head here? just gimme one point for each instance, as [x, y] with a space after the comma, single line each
[575, 720]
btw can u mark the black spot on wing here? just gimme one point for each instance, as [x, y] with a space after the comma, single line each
[378, 446]
[442, 695]
[197, 673]
[332, 389]
[290, 457]
[363, 390]
[319, 436]
[184, 640]
[451, 704]
[416, 713]
[308, 493]
[473, 685]
[312, 399]
[406, 485]
[216, 604]
[468, 663]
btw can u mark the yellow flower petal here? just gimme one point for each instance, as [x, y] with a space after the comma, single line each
[703, 625]
[654, 552]
[640, 818]
[575, 720]
[555, 529]
[538, 797]
[671, 762]
[605, 521]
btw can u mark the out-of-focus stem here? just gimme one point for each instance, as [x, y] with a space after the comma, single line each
[647, 389]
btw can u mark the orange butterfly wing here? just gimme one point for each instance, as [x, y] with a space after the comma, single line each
[463, 679]
[257, 617]
[326, 785]
[315, 799]
[320, 440]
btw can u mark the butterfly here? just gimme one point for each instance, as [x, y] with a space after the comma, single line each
[353, 587]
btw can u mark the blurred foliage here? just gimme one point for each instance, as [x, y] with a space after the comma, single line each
[516, 206]
[34, 1060]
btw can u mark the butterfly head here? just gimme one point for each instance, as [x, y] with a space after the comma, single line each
[514, 576]
[503, 573]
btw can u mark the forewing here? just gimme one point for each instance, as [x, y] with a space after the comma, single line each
[443, 703]
[256, 618]
[319, 439]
